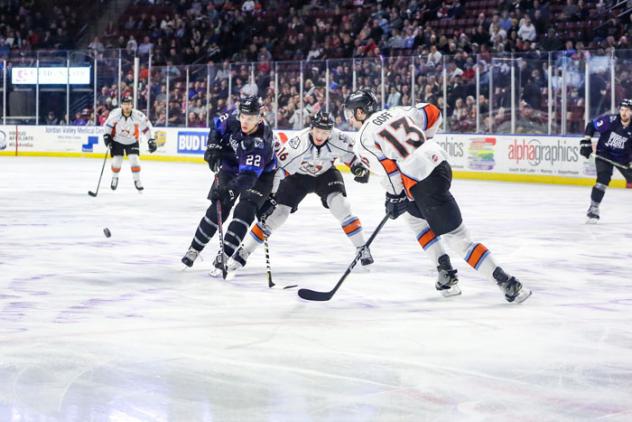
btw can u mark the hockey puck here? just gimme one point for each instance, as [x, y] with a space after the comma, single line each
[107, 232]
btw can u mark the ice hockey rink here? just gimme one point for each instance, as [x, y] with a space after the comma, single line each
[111, 329]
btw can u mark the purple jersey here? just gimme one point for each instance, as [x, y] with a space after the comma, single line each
[615, 141]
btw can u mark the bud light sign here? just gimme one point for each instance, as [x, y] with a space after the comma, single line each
[191, 142]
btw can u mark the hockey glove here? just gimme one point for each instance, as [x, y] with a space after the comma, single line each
[151, 144]
[267, 208]
[223, 194]
[107, 140]
[585, 147]
[213, 156]
[360, 172]
[396, 205]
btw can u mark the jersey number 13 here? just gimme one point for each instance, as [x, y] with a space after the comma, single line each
[402, 141]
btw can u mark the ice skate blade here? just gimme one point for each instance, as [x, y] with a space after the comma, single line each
[592, 220]
[522, 296]
[216, 273]
[452, 291]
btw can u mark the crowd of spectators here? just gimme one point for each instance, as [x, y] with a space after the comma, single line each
[368, 37]
[39, 25]
[254, 41]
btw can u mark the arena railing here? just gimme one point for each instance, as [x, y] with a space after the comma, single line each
[554, 93]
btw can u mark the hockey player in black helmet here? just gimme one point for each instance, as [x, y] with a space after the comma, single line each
[363, 99]
[240, 153]
[307, 163]
[614, 145]
[417, 181]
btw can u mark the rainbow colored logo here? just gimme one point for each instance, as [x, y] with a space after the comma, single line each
[481, 153]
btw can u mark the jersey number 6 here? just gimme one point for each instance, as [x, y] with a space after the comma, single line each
[408, 129]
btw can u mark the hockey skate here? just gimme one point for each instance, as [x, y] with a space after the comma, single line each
[238, 260]
[511, 287]
[220, 260]
[189, 258]
[114, 183]
[447, 279]
[365, 256]
[138, 185]
[593, 214]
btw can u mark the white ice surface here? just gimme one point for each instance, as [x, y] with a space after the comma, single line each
[97, 329]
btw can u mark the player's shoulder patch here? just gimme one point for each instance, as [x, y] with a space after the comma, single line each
[294, 142]
[344, 138]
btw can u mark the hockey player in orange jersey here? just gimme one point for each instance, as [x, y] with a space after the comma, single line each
[417, 177]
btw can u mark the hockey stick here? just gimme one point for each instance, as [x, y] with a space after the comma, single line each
[614, 163]
[266, 248]
[105, 159]
[220, 233]
[324, 296]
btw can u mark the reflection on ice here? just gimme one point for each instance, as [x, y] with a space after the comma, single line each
[112, 330]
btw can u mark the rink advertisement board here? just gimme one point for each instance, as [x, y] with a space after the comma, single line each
[546, 159]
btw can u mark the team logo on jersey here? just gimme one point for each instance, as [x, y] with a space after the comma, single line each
[258, 142]
[616, 141]
[294, 142]
[312, 169]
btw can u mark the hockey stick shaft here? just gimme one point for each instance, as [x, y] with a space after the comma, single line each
[105, 159]
[324, 296]
[220, 235]
[266, 248]
[614, 163]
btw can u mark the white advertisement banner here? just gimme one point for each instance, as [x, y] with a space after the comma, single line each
[539, 156]
[50, 75]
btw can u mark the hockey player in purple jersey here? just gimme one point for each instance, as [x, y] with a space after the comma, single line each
[240, 153]
[614, 149]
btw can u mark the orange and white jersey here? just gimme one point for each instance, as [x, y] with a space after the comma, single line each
[299, 155]
[126, 130]
[393, 143]
[429, 118]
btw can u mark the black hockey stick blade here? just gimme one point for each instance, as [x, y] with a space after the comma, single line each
[313, 295]
[92, 193]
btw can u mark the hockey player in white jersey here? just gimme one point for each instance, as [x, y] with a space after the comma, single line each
[418, 178]
[307, 163]
[123, 129]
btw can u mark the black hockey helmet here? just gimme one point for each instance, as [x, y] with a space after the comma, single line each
[323, 120]
[626, 102]
[127, 99]
[250, 105]
[363, 99]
